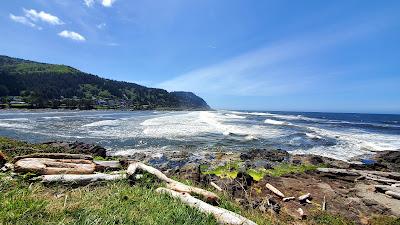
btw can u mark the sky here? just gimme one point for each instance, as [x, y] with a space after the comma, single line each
[311, 55]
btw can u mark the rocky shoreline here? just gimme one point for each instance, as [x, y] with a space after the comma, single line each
[244, 177]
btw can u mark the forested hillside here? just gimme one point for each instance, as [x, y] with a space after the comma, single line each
[38, 85]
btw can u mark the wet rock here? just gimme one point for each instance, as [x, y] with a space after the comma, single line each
[257, 164]
[272, 155]
[190, 171]
[3, 160]
[316, 160]
[79, 148]
[391, 159]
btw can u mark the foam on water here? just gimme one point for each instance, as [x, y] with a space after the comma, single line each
[275, 122]
[129, 132]
[103, 123]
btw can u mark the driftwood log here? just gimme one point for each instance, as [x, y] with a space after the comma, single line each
[54, 156]
[107, 165]
[384, 188]
[223, 216]
[170, 183]
[80, 179]
[274, 190]
[54, 166]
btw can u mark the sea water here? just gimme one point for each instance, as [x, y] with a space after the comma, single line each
[336, 135]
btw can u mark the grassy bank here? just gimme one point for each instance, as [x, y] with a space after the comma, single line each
[106, 203]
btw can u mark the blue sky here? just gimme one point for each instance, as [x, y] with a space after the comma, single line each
[338, 56]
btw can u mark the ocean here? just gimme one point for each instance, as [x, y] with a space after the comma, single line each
[336, 135]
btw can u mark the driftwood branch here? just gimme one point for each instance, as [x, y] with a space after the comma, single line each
[223, 216]
[324, 204]
[215, 186]
[274, 190]
[304, 197]
[171, 184]
[80, 179]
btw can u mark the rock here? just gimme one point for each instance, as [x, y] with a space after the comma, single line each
[316, 160]
[259, 164]
[79, 148]
[272, 155]
[3, 160]
[391, 159]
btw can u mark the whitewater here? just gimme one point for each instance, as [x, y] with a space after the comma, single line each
[335, 135]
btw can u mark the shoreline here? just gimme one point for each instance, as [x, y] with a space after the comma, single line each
[243, 176]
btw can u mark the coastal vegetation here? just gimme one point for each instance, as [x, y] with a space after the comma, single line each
[29, 84]
[24, 201]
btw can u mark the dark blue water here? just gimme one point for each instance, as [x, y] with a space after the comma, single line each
[338, 135]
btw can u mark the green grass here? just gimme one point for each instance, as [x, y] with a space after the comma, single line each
[110, 203]
[329, 219]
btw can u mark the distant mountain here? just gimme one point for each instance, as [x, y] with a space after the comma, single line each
[38, 85]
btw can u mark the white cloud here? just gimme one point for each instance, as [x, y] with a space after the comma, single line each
[101, 25]
[89, 3]
[43, 16]
[23, 20]
[105, 3]
[72, 35]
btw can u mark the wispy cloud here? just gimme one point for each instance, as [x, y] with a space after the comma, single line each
[279, 68]
[42, 16]
[23, 20]
[105, 3]
[101, 26]
[72, 35]
[89, 3]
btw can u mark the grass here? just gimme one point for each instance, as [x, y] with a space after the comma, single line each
[111, 203]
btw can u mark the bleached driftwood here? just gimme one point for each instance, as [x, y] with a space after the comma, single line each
[323, 207]
[215, 186]
[301, 213]
[274, 190]
[396, 185]
[54, 166]
[171, 184]
[393, 194]
[288, 199]
[54, 156]
[107, 165]
[80, 179]
[223, 216]
[304, 197]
